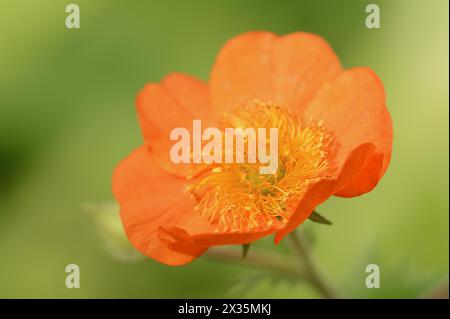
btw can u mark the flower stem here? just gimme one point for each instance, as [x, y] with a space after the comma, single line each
[279, 264]
[258, 259]
[312, 275]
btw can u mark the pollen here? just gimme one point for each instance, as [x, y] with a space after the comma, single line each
[236, 197]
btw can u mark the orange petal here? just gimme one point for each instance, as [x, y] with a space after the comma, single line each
[189, 92]
[285, 70]
[150, 198]
[353, 108]
[319, 192]
[211, 238]
[175, 102]
[159, 217]
[214, 235]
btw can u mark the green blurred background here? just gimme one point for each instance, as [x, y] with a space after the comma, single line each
[67, 117]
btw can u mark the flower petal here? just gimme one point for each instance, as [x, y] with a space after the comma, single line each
[212, 238]
[150, 198]
[189, 92]
[162, 107]
[285, 70]
[353, 108]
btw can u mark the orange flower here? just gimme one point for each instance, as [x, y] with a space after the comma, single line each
[335, 138]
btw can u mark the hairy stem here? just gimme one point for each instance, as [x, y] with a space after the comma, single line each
[258, 259]
[312, 275]
[278, 263]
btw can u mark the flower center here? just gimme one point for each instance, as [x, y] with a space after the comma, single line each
[236, 197]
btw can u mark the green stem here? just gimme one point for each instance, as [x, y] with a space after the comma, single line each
[279, 264]
[313, 276]
[272, 262]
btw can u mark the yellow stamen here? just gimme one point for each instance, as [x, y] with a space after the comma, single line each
[235, 197]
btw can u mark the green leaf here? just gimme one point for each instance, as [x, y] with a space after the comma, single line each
[317, 218]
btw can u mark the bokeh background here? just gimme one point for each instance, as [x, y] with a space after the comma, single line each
[67, 117]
